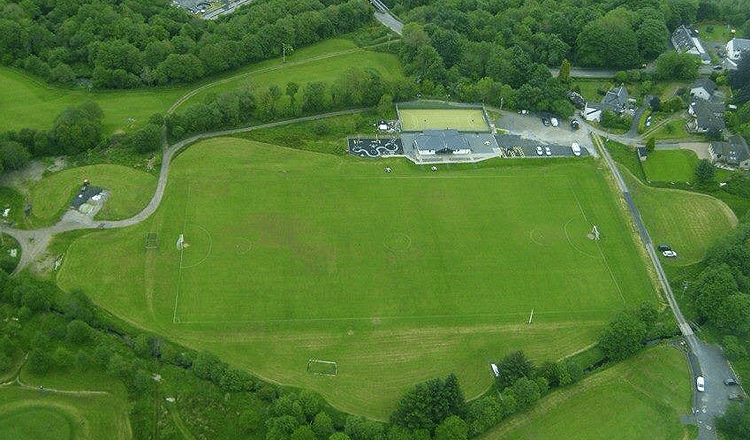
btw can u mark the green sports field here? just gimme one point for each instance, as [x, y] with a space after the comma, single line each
[641, 398]
[440, 119]
[396, 277]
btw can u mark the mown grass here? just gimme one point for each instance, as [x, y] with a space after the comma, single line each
[32, 414]
[671, 130]
[670, 165]
[30, 103]
[398, 278]
[687, 221]
[130, 190]
[641, 398]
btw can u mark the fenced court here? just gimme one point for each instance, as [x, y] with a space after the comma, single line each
[465, 119]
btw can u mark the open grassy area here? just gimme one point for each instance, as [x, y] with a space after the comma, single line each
[397, 277]
[326, 64]
[671, 165]
[31, 414]
[716, 32]
[687, 221]
[671, 130]
[130, 190]
[641, 398]
[435, 119]
[28, 102]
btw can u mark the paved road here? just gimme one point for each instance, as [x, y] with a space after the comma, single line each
[34, 242]
[633, 132]
[706, 360]
[581, 72]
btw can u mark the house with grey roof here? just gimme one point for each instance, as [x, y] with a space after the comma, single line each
[735, 49]
[703, 88]
[733, 153]
[706, 116]
[686, 40]
[616, 100]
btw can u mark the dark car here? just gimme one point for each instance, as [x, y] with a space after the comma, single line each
[730, 381]
[664, 247]
[545, 121]
[575, 125]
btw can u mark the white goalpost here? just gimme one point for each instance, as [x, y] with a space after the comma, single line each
[181, 242]
[595, 232]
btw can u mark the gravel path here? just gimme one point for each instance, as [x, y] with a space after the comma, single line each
[34, 242]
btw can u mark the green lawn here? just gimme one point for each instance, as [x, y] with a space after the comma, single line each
[641, 398]
[397, 277]
[130, 191]
[28, 102]
[31, 414]
[670, 165]
[671, 130]
[687, 221]
[590, 88]
[719, 33]
[458, 119]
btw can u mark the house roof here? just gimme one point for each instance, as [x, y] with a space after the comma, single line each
[642, 151]
[706, 84]
[682, 38]
[441, 140]
[741, 44]
[705, 116]
[616, 98]
[732, 152]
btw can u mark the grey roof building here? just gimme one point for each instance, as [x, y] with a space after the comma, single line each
[736, 48]
[733, 153]
[703, 88]
[685, 40]
[707, 116]
[616, 99]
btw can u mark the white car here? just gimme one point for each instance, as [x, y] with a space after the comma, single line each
[700, 384]
[555, 122]
[670, 254]
[576, 149]
[539, 151]
[547, 151]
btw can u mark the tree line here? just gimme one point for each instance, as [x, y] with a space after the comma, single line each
[145, 42]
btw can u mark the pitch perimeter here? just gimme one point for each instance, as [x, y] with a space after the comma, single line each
[438, 119]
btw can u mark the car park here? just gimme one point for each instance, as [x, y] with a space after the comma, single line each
[576, 149]
[547, 151]
[730, 381]
[539, 151]
[700, 384]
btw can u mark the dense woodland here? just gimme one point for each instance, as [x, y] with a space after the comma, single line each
[125, 44]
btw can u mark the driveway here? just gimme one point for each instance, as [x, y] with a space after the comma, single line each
[700, 148]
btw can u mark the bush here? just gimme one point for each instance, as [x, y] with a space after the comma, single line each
[733, 349]
[623, 337]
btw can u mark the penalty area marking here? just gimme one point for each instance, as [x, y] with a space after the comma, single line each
[208, 253]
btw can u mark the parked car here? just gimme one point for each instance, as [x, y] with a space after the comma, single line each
[576, 149]
[648, 121]
[700, 384]
[670, 254]
[547, 151]
[574, 124]
[545, 121]
[524, 112]
[539, 151]
[664, 247]
[554, 122]
[730, 381]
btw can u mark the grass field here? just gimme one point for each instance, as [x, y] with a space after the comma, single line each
[641, 398]
[29, 414]
[28, 102]
[457, 119]
[398, 278]
[670, 165]
[687, 221]
[130, 190]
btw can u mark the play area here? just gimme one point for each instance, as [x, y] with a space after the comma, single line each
[461, 119]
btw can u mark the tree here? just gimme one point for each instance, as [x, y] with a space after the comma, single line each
[680, 66]
[13, 155]
[622, 337]
[429, 403]
[564, 75]
[512, 367]
[653, 37]
[314, 97]
[526, 392]
[322, 425]
[650, 144]
[147, 139]
[385, 106]
[62, 358]
[291, 91]
[79, 128]
[607, 42]
[78, 332]
[339, 436]
[704, 173]
[733, 348]
[303, 432]
[250, 420]
[735, 422]
[39, 361]
[452, 428]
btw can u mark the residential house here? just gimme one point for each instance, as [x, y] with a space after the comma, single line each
[686, 40]
[733, 153]
[703, 88]
[576, 99]
[735, 48]
[706, 116]
[616, 100]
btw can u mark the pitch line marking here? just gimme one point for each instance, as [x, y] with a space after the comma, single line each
[179, 268]
[369, 318]
[598, 245]
[208, 254]
[571, 242]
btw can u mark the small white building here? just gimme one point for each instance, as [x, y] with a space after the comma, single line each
[735, 48]
[592, 112]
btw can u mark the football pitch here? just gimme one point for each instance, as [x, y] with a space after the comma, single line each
[437, 119]
[396, 277]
